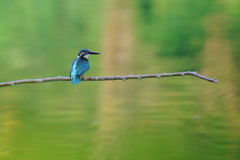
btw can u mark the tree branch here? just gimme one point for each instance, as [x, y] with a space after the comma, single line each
[124, 78]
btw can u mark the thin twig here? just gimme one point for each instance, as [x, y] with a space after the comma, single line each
[124, 78]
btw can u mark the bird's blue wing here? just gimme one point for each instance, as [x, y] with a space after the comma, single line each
[82, 67]
[78, 68]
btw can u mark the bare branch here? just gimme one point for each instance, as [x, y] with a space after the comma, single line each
[124, 78]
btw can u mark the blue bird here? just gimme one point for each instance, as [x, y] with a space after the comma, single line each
[80, 65]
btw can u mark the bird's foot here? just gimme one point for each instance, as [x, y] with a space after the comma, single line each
[82, 77]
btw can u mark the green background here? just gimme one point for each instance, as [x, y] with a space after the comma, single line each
[167, 118]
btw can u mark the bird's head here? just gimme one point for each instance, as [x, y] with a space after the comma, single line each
[84, 53]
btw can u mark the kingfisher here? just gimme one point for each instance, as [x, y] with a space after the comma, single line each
[80, 65]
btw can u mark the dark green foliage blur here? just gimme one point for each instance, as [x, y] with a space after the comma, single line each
[174, 28]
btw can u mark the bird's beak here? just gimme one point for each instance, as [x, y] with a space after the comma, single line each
[93, 52]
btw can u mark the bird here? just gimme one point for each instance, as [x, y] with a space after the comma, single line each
[80, 65]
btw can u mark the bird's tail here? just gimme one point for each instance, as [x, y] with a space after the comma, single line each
[76, 79]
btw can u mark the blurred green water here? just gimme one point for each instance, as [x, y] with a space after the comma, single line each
[168, 118]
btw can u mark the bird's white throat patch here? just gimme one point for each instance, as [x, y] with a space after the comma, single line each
[86, 56]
